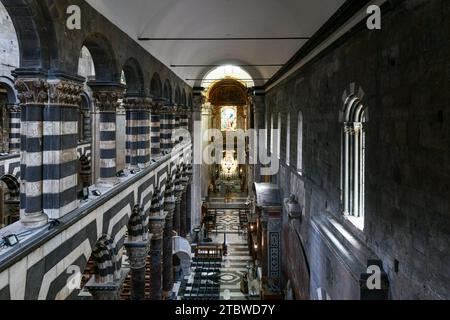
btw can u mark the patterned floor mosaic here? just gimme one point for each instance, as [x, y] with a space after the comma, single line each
[223, 281]
[227, 221]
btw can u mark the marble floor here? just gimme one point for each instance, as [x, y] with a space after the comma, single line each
[227, 276]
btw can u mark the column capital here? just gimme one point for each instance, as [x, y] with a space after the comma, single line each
[14, 108]
[137, 253]
[169, 109]
[40, 90]
[156, 225]
[155, 107]
[137, 103]
[107, 95]
[169, 206]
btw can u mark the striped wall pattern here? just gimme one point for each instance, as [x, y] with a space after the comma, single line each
[14, 129]
[10, 165]
[167, 125]
[155, 132]
[40, 270]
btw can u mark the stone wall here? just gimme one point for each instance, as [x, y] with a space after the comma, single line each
[9, 46]
[401, 74]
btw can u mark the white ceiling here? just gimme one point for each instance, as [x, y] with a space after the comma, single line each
[219, 18]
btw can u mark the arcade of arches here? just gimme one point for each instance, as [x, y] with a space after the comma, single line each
[126, 176]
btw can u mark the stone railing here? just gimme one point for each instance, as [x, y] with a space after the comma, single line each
[42, 264]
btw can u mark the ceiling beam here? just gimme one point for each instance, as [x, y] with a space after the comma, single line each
[225, 39]
[220, 65]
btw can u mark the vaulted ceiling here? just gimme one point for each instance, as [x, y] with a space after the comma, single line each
[220, 19]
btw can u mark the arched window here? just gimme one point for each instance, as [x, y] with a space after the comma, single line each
[288, 140]
[84, 120]
[278, 136]
[353, 160]
[300, 143]
[271, 133]
[86, 66]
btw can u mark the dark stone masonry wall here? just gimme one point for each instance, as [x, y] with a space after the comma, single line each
[403, 71]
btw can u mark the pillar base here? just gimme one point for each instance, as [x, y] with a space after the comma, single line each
[107, 291]
[34, 221]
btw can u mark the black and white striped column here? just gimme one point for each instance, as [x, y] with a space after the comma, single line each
[184, 125]
[107, 101]
[169, 207]
[155, 134]
[167, 120]
[14, 129]
[178, 197]
[49, 138]
[176, 129]
[156, 224]
[185, 120]
[60, 158]
[138, 133]
[33, 95]
[144, 130]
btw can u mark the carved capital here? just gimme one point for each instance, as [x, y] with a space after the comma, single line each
[156, 226]
[14, 108]
[169, 206]
[42, 91]
[168, 109]
[138, 103]
[32, 91]
[107, 99]
[63, 92]
[155, 107]
[137, 254]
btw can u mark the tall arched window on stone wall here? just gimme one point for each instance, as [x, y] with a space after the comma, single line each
[300, 143]
[278, 136]
[4, 119]
[84, 120]
[288, 140]
[271, 133]
[353, 160]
